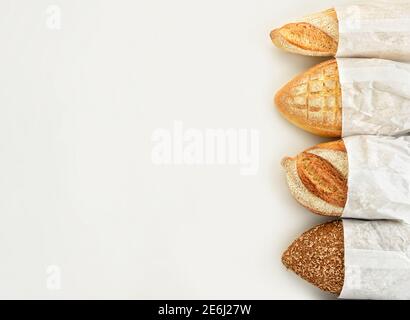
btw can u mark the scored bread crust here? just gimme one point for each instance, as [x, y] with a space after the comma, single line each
[317, 178]
[317, 256]
[313, 100]
[314, 35]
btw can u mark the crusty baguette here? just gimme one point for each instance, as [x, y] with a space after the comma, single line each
[317, 178]
[312, 100]
[314, 35]
[318, 256]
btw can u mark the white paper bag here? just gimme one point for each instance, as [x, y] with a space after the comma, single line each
[378, 178]
[377, 260]
[375, 97]
[375, 29]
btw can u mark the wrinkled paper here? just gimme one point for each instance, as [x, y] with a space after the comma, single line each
[375, 96]
[375, 29]
[377, 260]
[378, 178]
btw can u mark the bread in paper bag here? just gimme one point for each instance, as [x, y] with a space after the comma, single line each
[374, 30]
[345, 97]
[354, 259]
[363, 177]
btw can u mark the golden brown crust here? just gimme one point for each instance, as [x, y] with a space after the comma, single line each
[318, 256]
[314, 35]
[312, 100]
[322, 179]
[305, 39]
[317, 178]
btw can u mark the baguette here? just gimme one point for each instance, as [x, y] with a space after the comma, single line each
[317, 178]
[317, 256]
[313, 100]
[314, 35]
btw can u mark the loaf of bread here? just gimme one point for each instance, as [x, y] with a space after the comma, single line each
[313, 100]
[317, 178]
[318, 256]
[314, 35]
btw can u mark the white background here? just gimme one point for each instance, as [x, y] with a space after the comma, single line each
[78, 189]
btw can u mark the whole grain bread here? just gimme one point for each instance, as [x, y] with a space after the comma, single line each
[318, 256]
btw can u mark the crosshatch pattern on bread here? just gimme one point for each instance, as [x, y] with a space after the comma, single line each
[313, 100]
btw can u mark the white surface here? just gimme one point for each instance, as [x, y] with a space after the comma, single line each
[377, 260]
[375, 96]
[78, 107]
[379, 178]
